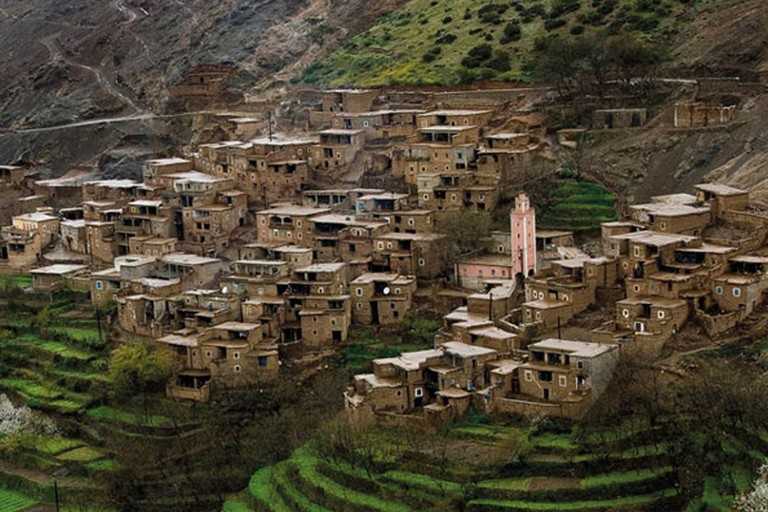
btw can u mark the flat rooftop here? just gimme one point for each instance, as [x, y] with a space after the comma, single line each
[720, 190]
[322, 267]
[294, 209]
[35, 217]
[180, 258]
[59, 269]
[575, 348]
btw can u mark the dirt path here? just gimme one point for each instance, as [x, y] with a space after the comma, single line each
[56, 54]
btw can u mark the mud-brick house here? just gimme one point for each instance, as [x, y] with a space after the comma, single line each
[472, 272]
[102, 211]
[334, 101]
[102, 242]
[722, 198]
[672, 218]
[193, 271]
[152, 245]
[690, 114]
[56, 277]
[266, 169]
[431, 385]
[336, 151]
[144, 217]
[107, 284]
[19, 250]
[381, 298]
[154, 169]
[208, 228]
[345, 238]
[256, 278]
[318, 310]
[380, 124]
[12, 174]
[420, 254]
[293, 255]
[650, 320]
[405, 221]
[558, 378]
[229, 355]
[436, 149]
[619, 118]
[44, 223]
[111, 190]
[455, 118]
[287, 224]
[74, 236]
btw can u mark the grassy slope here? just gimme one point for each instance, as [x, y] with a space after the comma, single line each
[391, 51]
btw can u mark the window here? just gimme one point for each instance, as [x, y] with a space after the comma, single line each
[528, 375]
[359, 292]
[500, 248]
[359, 305]
[262, 361]
[397, 291]
[661, 315]
[625, 313]
[580, 365]
[562, 380]
[418, 392]
[236, 355]
[411, 222]
[99, 285]
[422, 262]
[737, 292]
[719, 290]
[320, 290]
[237, 368]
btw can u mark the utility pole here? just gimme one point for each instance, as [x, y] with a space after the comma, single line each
[269, 123]
[56, 493]
[559, 329]
[98, 323]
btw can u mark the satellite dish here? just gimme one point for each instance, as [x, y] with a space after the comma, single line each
[387, 290]
[225, 290]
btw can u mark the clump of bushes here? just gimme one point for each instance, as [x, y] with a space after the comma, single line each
[512, 32]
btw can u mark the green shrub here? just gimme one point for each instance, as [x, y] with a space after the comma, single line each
[577, 30]
[501, 61]
[512, 32]
[477, 56]
[554, 24]
[431, 54]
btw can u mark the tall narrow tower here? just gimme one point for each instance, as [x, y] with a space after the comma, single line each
[523, 225]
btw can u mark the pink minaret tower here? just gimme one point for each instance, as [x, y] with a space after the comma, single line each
[523, 225]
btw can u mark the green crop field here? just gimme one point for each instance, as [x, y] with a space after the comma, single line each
[11, 501]
[581, 206]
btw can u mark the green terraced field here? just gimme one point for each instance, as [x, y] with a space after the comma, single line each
[11, 501]
[129, 418]
[582, 206]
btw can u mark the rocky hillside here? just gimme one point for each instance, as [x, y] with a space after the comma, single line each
[65, 61]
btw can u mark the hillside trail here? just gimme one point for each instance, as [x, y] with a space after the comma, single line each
[56, 54]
